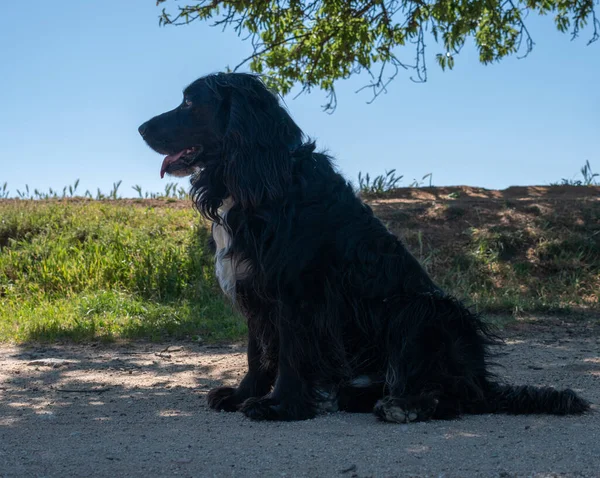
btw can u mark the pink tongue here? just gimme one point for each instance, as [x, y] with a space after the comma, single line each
[170, 159]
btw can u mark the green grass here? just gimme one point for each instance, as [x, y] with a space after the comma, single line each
[83, 270]
[79, 270]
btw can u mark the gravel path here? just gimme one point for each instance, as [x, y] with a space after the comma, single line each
[139, 410]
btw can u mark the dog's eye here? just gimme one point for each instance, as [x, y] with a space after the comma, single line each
[187, 103]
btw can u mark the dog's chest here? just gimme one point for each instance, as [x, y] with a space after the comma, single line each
[228, 268]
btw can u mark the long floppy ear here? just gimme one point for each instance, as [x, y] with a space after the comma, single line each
[258, 139]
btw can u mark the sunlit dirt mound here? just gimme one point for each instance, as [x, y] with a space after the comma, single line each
[522, 248]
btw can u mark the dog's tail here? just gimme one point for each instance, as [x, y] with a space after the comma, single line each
[527, 399]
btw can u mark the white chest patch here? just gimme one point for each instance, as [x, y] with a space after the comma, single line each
[228, 269]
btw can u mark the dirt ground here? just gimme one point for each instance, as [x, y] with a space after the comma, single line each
[441, 213]
[139, 410]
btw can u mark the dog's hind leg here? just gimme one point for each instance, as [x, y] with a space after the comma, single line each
[435, 352]
[407, 398]
[406, 409]
[257, 382]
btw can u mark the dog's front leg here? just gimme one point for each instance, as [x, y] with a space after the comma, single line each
[257, 382]
[291, 397]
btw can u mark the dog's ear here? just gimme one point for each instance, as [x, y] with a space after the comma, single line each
[259, 136]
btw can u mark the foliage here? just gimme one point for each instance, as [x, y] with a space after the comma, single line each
[86, 270]
[315, 43]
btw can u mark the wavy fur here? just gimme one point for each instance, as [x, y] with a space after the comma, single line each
[340, 314]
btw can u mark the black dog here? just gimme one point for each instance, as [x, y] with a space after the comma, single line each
[340, 315]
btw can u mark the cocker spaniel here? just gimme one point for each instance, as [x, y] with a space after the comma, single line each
[340, 315]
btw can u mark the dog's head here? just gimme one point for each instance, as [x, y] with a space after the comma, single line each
[229, 125]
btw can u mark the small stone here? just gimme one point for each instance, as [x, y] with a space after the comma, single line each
[49, 362]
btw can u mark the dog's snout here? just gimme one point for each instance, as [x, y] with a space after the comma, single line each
[143, 129]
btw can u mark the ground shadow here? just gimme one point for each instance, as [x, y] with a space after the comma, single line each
[139, 409]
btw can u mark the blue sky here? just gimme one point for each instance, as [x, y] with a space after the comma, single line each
[79, 77]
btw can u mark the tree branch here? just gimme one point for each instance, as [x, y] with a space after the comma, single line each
[319, 42]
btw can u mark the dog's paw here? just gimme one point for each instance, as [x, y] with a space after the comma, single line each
[260, 409]
[405, 410]
[223, 398]
[268, 408]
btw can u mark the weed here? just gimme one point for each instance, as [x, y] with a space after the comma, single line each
[384, 183]
[418, 184]
[588, 177]
[171, 191]
[4, 193]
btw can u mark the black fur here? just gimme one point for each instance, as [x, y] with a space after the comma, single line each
[340, 314]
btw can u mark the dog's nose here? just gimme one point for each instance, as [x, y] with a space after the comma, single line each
[143, 129]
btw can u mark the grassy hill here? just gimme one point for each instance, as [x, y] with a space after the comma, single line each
[83, 269]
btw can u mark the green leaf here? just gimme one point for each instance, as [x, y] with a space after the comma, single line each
[316, 43]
